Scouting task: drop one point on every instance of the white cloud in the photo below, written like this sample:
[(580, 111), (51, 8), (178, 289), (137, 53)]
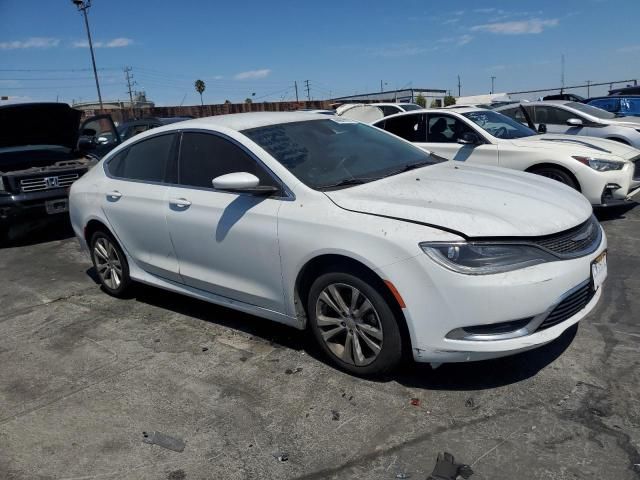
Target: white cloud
[(534, 25), (252, 74), (629, 49), (217, 77), (33, 42), (459, 40), (399, 50), (484, 10), (115, 43)]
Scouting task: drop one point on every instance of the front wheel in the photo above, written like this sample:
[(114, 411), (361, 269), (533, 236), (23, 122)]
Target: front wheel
[(558, 175), (110, 264), (354, 324)]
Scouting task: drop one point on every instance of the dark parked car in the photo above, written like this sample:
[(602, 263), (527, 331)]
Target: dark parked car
[(630, 90), (41, 155), (571, 97), (621, 106), (131, 128)]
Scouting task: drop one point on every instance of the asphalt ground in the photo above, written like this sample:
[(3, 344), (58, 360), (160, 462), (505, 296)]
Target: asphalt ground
[(83, 375)]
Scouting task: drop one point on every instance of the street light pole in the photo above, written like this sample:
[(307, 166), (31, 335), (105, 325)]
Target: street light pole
[(83, 6)]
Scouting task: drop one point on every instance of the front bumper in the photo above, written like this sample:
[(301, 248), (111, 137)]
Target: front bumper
[(607, 189), (28, 205), (440, 301)]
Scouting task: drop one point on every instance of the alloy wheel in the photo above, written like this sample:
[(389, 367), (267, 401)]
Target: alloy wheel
[(108, 263), (349, 324)]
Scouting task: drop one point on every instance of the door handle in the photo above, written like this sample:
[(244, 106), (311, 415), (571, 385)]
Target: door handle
[(114, 195), (180, 202)]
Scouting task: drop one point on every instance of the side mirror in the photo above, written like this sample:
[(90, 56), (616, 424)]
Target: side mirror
[(242, 182), (542, 128), (574, 122), (86, 144), (469, 138)]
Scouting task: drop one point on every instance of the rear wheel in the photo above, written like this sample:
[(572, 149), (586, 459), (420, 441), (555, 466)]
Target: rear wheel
[(110, 264), (558, 175), (354, 324)]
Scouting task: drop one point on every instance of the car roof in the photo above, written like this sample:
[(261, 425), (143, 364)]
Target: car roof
[(244, 121), (434, 110)]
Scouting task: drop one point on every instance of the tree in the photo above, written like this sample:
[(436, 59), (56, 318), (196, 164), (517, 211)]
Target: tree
[(420, 100), (449, 100), (200, 87), (248, 100), (435, 104), (227, 102)]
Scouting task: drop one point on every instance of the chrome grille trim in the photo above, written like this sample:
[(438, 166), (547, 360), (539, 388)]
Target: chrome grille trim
[(575, 242), (36, 184)]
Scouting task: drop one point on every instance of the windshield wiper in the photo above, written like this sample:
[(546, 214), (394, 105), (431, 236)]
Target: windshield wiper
[(410, 166), (347, 182)]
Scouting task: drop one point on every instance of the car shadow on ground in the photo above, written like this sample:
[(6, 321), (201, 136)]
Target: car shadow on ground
[(605, 214), (456, 376), (33, 232)]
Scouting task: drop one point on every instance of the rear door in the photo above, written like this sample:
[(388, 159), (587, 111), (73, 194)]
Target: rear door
[(135, 203), (98, 136)]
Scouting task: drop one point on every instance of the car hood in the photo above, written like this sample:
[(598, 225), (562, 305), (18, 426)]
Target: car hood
[(578, 145), (471, 200), (39, 124)]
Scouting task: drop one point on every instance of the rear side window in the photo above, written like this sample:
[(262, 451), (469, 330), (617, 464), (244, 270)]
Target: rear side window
[(409, 127), (145, 161), (204, 156)]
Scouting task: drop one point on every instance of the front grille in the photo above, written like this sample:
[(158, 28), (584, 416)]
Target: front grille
[(580, 240), (569, 306), (47, 183)]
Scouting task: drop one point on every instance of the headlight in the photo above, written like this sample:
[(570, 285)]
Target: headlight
[(600, 164), (484, 258)]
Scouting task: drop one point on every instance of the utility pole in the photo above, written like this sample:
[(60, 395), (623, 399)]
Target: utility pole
[(308, 91), (83, 6), (381, 89), (562, 73), (129, 77), (492, 80), (588, 87), (295, 84), (459, 86)]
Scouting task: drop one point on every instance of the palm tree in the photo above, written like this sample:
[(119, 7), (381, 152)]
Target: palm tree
[(200, 87)]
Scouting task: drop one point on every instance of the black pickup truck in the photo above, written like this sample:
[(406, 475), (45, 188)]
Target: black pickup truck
[(42, 152)]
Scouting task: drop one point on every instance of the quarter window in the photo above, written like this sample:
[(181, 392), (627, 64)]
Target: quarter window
[(204, 156), (146, 160)]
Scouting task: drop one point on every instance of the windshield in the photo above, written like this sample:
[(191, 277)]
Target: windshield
[(589, 110), (326, 153), (499, 125), (407, 107)]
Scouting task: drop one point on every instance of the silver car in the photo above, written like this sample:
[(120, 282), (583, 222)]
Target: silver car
[(573, 118)]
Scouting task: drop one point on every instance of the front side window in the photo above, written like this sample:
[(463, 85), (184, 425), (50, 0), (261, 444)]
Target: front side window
[(337, 153), (552, 115), (445, 129), (145, 161), (498, 125), (409, 127), (204, 156)]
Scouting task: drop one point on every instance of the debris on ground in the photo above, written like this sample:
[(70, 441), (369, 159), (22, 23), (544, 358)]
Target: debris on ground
[(335, 415), (164, 441), (205, 349), (415, 402), (290, 371), (402, 475), (281, 456), (470, 402), (447, 469)]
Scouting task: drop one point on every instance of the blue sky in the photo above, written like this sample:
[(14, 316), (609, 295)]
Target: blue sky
[(342, 47)]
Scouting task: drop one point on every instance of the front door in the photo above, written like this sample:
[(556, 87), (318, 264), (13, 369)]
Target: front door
[(443, 132), (555, 118), (135, 203), (226, 243)]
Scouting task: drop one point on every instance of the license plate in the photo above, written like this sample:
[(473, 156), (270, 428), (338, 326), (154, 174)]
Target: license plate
[(599, 270), (56, 206)]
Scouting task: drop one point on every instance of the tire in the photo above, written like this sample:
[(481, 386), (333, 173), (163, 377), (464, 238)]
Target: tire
[(377, 347), (558, 175), (110, 264)]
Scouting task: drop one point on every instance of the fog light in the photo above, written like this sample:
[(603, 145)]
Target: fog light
[(607, 193)]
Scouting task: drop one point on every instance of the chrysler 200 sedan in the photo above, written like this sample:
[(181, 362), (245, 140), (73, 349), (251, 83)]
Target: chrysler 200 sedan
[(375, 246)]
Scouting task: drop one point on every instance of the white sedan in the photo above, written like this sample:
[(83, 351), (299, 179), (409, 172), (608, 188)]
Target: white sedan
[(372, 244), (606, 172)]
